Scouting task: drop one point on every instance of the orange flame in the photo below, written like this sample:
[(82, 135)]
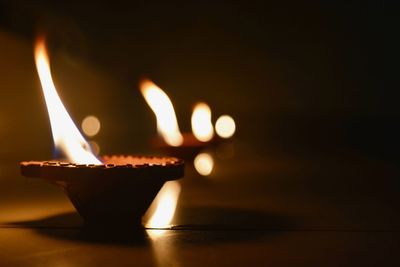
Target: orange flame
[(201, 122), (66, 136), (159, 102)]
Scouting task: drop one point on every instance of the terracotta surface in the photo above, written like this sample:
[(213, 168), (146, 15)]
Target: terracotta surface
[(116, 192)]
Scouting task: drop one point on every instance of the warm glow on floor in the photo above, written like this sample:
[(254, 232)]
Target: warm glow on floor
[(166, 202)]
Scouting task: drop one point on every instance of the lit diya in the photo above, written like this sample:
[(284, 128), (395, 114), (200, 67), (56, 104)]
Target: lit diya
[(120, 190), (113, 189), (171, 141)]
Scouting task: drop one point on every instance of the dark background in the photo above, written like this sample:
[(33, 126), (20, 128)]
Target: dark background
[(312, 87), (306, 80)]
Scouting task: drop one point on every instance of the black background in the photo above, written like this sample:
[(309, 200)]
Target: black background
[(300, 79)]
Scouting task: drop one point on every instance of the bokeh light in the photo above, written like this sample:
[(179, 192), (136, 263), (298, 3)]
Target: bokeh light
[(91, 125), (225, 126)]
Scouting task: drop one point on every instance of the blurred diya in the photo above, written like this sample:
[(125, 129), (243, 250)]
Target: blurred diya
[(118, 191), (171, 141), (112, 189)]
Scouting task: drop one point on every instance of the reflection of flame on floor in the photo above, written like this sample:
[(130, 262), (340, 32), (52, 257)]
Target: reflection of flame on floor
[(165, 205), (204, 163)]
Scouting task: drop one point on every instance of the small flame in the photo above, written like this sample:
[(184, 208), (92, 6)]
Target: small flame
[(66, 136), (204, 164), (225, 126), (159, 102), (201, 122), (166, 202)]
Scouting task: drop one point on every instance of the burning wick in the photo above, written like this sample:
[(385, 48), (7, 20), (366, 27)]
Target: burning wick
[(66, 136), (159, 102), (201, 122)]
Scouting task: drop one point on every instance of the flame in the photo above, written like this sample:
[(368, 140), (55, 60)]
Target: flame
[(225, 126), (159, 102), (201, 122), (66, 136), (166, 202), (204, 164)]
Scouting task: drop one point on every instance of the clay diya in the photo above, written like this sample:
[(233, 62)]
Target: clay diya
[(118, 191)]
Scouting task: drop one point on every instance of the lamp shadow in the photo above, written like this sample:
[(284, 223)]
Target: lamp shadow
[(200, 225), (70, 226), (229, 224)]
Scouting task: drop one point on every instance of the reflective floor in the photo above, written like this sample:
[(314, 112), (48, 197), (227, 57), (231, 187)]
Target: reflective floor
[(264, 212)]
